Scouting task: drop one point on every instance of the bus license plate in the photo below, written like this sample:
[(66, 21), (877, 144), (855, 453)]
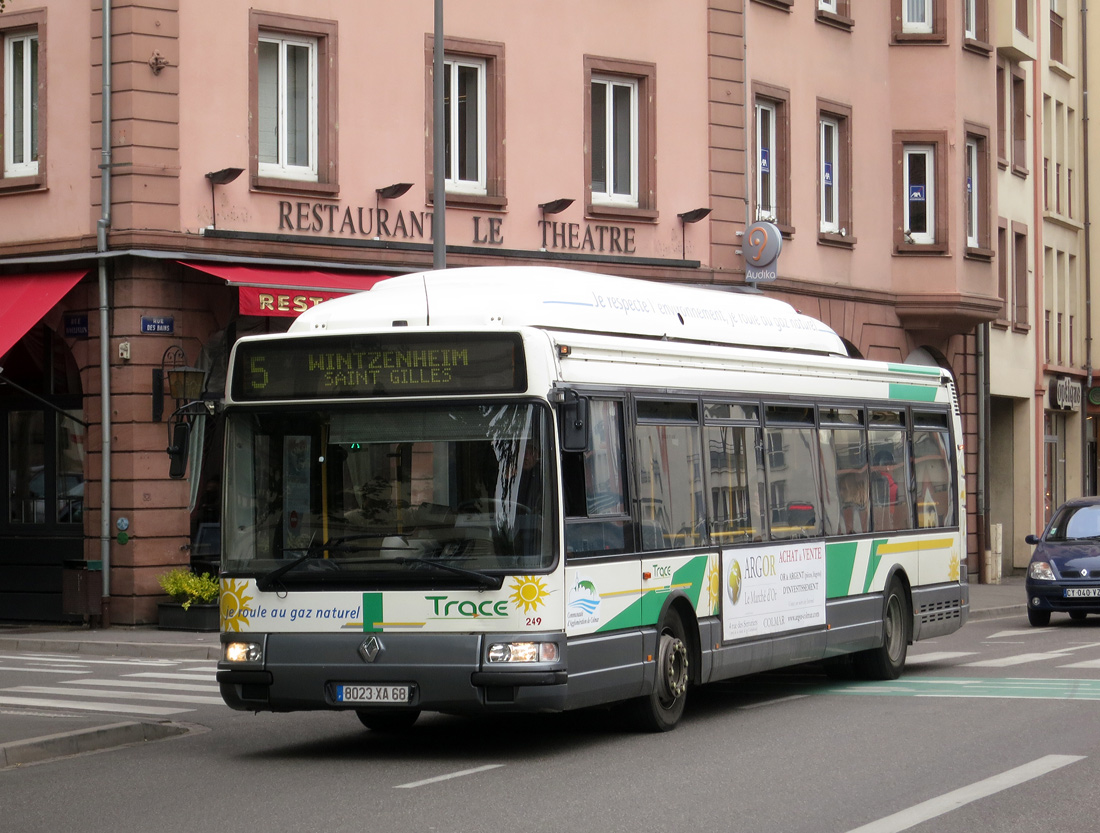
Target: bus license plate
[(1082, 592), (383, 695)]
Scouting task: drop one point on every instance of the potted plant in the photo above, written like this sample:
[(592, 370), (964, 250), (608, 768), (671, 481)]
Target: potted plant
[(194, 605)]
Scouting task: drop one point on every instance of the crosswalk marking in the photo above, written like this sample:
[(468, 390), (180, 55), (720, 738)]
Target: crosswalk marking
[(937, 656), (123, 695), (64, 659), (187, 675), (47, 670), (144, 684), (975, 687), (70, 705)]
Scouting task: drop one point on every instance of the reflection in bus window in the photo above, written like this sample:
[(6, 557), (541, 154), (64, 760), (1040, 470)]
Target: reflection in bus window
[(736, 483), (890, 497), (846, 500), (593, 484), (932, 476), (792, 483), (672, 511)]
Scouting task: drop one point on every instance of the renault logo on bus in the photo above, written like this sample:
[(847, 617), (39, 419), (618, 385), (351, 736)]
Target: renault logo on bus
[(370, 649)]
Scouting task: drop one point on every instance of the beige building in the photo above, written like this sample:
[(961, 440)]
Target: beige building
[(260, 158)]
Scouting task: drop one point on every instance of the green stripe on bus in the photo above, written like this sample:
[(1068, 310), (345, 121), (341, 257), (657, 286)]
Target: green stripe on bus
[(914, 369), (372, 612), (918, 393), (629, 618), (872, 563), (840, 561)]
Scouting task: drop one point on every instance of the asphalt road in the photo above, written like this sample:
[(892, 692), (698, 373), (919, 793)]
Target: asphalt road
[(993, 728)]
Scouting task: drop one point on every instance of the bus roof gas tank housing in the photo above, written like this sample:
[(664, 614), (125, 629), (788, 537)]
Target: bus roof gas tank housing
[(554, 298)]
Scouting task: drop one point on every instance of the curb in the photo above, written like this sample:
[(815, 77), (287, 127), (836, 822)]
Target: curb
[(996, 612), (156, 650), (47, 747)]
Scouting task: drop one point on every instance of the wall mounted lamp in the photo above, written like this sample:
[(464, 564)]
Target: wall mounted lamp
[(222, 177), (390, 192), (693, 216), (555, 206)]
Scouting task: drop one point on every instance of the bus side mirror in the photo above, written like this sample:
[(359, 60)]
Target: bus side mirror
[(178, 450), (574, 423)]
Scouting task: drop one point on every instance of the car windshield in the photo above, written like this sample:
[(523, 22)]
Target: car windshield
[(1074, 523), (390, 493)]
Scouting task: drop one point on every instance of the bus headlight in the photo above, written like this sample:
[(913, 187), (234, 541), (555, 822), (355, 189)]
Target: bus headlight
[(252, 652), (523, 652)]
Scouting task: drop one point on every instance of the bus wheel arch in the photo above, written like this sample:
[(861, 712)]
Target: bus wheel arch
[(676, 657), (887, 661)]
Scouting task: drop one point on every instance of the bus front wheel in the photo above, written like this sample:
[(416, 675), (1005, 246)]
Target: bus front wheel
[(661, 709), (387, 720), (886, 663)]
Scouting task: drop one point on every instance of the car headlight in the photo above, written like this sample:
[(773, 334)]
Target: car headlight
[(1040, 571), (523, 652), (251, 652)]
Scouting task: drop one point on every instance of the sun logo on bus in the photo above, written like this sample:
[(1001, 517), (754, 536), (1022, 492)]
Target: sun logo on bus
[(528, 593), (714, 587), (953, 567), (234, 605)]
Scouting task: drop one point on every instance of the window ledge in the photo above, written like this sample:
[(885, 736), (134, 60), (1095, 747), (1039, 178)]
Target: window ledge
[(293, 186), (839, 241), (978, 47), (621, 212), (837, 21), (1020, 171), (919, 39), (785, 229), (782, 5), (1063, 220), (1023, 329), (22, 184), (1000, 323), (1059, 68), (979, 253), (918, 249), (490, 202), (1002, 163)]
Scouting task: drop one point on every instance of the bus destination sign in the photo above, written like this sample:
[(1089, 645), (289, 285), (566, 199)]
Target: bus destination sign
[(417, 364)]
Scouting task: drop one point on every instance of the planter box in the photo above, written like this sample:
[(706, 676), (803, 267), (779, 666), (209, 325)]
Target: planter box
[(198, 617)]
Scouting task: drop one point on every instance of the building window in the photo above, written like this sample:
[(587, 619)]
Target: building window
[(287, 111), (1018, 96), (464, 124), (22, 94), (615, 141), (620, 132), (1004, 257), (1019, 277), (1057, 32), (976, 26), (473, 108), (836, 13), (920, 189), (834, 173), (772, 156), (918, 21), (293, 96), (1003, 92), (1022, 9), (976, 182)]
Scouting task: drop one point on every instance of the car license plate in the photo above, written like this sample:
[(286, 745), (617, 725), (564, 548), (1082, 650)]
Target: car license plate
[(384, 694), (1082, 592)]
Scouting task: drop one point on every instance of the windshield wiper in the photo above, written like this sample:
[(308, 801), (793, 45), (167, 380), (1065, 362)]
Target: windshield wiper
[(483, 579), (267, 582)]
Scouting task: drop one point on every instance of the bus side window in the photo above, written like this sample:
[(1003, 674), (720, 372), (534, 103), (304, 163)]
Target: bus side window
[(593, 487)]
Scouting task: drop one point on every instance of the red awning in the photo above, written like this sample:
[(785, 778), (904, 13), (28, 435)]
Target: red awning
[(24, 299), (286, 292)]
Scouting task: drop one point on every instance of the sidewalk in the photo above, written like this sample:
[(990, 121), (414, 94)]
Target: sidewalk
[(31, 736)]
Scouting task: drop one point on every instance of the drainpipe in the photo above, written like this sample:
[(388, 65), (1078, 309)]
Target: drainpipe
[(1090, 478), (439, 190), (104, 318), (1040, 301)]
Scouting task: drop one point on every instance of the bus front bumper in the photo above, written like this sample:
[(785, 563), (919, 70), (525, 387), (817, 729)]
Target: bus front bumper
[(444, 672)]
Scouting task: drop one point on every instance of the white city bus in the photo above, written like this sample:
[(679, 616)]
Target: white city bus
[(535, 489)]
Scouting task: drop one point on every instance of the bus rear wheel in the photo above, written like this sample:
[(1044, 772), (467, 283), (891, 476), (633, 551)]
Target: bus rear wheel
[(387, 720), (661, 709), (886, 662)]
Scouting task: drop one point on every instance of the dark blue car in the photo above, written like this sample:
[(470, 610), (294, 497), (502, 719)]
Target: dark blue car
[(1064, 573)]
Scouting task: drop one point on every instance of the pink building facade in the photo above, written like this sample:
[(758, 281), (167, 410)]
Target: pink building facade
[(258, 161)]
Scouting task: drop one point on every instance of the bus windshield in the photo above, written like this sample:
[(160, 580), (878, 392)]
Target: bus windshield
[(386, 493)]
